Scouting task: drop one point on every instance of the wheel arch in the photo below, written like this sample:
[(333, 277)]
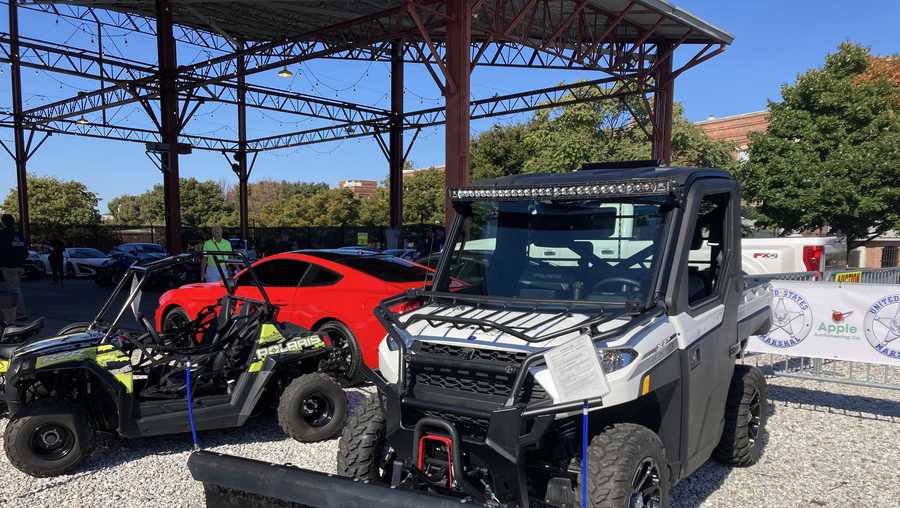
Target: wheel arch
[(103, 403)]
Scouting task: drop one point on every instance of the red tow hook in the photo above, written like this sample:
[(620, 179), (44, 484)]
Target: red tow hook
[(440, 440)]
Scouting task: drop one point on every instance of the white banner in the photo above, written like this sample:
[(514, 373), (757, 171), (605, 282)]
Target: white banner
[(853, 322)]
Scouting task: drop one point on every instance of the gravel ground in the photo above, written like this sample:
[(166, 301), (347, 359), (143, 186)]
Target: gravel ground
[(827, 445)]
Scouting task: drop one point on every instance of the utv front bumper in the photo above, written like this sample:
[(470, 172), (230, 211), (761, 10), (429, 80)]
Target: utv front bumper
[(235, 481)]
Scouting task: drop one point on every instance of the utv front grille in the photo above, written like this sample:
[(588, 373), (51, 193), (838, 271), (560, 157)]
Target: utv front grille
[(486, 373)]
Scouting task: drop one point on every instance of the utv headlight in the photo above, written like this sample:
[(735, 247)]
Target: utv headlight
[(616, 359)]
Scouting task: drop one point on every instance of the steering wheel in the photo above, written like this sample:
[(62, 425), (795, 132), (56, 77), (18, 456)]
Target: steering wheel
[(625, 281)]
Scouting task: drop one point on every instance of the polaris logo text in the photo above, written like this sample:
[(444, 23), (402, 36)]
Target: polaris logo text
[(290, 346)]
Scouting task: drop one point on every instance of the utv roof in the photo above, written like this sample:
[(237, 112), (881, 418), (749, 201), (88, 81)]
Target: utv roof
[(603, 173)]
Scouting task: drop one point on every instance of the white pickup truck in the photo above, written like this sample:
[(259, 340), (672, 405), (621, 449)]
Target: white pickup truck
[(792, 254)]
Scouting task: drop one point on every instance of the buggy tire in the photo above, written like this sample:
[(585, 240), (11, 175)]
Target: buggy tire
[(355, 373), (48, 437), (360, 451), (746, 412), (312, 408), (623, 459)]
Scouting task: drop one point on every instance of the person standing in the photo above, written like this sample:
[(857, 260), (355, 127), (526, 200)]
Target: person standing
[(208, 267), (13, 252), (57, 248)]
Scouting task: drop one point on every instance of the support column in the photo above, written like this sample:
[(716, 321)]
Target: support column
[(663, 101), (459, 36), (168, 104), (21, 154), (395, 178), (241, 155)]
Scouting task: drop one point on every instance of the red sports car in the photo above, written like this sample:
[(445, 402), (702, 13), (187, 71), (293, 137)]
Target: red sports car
[(330, 291)]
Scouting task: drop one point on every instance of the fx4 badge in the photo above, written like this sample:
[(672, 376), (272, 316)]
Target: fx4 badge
[(293, 345)]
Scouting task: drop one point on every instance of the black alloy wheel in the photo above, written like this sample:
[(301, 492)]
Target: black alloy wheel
[(646, 491)]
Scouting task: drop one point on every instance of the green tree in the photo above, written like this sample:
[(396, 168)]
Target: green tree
[(54, 201), (265, 199), (423, 200), (202, 204), (326, 207), (831, 155)]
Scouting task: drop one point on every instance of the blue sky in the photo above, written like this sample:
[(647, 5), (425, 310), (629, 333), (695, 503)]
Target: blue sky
[(775, 41)]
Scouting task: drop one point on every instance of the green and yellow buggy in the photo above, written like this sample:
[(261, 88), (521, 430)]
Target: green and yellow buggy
[(233, 361)]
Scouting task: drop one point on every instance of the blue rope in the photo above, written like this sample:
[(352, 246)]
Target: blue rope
[(584, 455), (190, 408)]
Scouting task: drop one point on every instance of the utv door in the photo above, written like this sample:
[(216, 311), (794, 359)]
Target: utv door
[(704, 298)]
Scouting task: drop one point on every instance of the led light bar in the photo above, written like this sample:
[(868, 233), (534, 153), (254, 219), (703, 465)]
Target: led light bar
[(636, 187)]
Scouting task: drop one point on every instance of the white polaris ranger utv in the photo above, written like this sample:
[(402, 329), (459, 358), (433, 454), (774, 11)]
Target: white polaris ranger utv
[(616, 288)]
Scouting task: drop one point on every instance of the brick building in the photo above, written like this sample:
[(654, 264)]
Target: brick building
[(735, 130), (360, 188)]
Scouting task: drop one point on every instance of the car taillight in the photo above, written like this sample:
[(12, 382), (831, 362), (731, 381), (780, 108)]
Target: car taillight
[(406, 306), (812, 257)]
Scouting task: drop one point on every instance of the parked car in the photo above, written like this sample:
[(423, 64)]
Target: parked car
[(242, 246), (409, 254), (77, 261), (143, 251), (34, 266), (792, 254), (332, 292)]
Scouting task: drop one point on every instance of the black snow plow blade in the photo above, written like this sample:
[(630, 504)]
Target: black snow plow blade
[(230, 481)]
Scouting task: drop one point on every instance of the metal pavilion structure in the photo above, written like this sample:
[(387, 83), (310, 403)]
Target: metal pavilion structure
[(630, 44)]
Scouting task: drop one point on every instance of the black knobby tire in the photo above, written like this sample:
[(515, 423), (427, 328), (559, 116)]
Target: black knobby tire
[(48, 438), (746, 412), (362, 449), (624, 458), (312, 408), (346, 346)]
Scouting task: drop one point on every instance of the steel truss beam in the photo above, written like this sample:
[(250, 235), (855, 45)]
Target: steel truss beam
[(120, 133), (499, 105), (553, 97), (357, 38), (130, 22), (86, 64)]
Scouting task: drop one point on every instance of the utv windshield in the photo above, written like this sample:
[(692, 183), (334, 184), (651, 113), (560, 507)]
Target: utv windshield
[(587, 250)]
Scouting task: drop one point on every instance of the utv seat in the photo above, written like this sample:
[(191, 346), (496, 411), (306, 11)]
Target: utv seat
[(14, 331)]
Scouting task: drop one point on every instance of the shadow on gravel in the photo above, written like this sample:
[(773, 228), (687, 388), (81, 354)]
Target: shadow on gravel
[(704, 482), (857, 406)]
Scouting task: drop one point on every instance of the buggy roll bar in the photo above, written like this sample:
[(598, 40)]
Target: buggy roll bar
[(143, 270)]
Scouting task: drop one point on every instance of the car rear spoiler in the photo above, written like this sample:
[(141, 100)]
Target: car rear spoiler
[(230, 481)]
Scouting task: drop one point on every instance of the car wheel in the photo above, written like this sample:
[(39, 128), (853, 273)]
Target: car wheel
[(312, 408), (626, 467), (70, 270), (346, 355), (174, 319), (48, 438), (746, 412), (363, 452)]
